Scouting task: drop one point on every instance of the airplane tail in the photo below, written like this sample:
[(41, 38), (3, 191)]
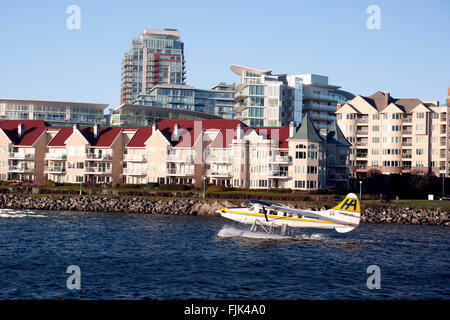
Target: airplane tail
[(351, 207)]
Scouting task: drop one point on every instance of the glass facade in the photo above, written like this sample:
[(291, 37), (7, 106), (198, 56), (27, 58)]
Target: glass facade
[(156, 57), (54, 112)]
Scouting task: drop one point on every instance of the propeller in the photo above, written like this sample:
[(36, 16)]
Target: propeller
[(265, 213)]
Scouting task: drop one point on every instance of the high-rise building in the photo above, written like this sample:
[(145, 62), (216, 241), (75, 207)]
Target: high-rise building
[(155, 57), (263, 99), (320, 99)]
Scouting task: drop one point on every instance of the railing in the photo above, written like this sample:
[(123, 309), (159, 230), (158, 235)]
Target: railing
[(98, 170), (407, 120), (361, 143), (135, 171), (220, 159), (213, 173), (365, 132), (362, 120), (407, 155), (51, 156), (407, 144), (20, 169), (407, 131), (50, 169), (135, 157), (179, 172), (278, 174), (180, 158), (19, 155), (94, 156), (280, 159)]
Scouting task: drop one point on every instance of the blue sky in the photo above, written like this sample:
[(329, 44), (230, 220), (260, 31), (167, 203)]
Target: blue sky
[(409, 55)]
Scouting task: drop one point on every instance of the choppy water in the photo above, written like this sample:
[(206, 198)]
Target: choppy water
[(172, 257)]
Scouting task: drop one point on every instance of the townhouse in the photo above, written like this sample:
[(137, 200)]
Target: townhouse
[(221, 152)]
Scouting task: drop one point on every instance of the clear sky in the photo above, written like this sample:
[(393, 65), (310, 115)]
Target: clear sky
[(409, 56)]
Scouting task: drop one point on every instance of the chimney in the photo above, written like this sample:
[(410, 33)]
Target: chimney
[(153, 128), (20, 130), (96, 130), (239, 132), (386, 98), (176, 132), (75, 126), (338, 106), (291, 129)]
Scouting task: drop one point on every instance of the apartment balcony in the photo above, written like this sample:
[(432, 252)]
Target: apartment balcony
[(407, 131), (52, 156), (407, 120), (20, 169), (362, 120), (135, 171), (406, 144), (135, 157), (98, 157), (218, 174), (98, 170), (54, 170), (220, 159), (180, 158), (337, 177), (362, 132), (319, 107), (361, 155), (361, 143), (21, 156), (280, 159), (277, 174), (240, 97), (407, 155), (325, 97), (179, 172)]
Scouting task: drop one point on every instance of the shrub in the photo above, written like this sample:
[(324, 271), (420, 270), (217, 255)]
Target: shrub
[(49, 183), (174, 187), (151, 185)]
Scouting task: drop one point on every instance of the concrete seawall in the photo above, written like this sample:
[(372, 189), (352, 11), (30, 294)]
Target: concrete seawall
[(381, 214)]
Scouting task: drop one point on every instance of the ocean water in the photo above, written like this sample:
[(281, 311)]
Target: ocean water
[(187, 257)]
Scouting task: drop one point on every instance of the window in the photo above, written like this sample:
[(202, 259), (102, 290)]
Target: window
[(299, 184), (300, 155), (419, 152), (376, 116), (375, 128), (312, 170), (351, 116), (420, 115)]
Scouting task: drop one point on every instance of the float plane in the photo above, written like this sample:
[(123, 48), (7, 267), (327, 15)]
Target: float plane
[(343, 218)]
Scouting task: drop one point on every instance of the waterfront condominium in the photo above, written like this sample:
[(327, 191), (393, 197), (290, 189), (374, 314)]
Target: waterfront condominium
[(321, 98), (391, 135), (218, 151), (56, 113), (176, 101), (155, 57), (263, 99)]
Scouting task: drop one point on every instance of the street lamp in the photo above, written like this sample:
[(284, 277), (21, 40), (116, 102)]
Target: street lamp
[(204, 187), (360, 190)]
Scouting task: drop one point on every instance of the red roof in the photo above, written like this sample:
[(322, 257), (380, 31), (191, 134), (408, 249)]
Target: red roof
[(191, 129), (105, 139), (279, 134), (139, 138), (33, 129), (59, 140)]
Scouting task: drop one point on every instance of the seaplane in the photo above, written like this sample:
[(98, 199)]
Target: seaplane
[(270, 216)]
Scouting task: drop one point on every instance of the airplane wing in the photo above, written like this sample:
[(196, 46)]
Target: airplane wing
[(304, 213)]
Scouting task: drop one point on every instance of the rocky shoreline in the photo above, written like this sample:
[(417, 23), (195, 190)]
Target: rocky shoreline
[(377, 214)]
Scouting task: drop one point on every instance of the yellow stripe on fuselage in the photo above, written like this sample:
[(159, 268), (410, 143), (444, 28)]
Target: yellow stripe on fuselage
[(277, 217)]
